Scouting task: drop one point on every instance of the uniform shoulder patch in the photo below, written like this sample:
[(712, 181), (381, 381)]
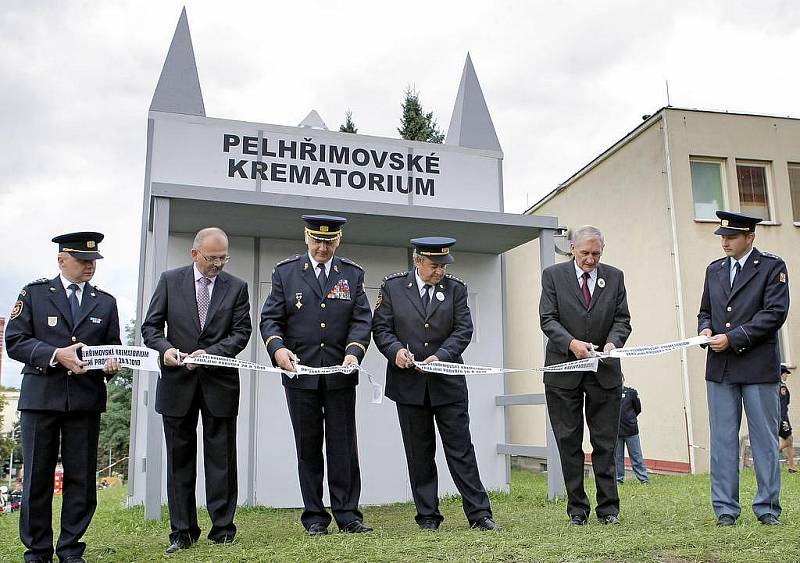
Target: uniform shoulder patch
[(16, 310), (356, 264), (101, 290), (773, 256), (395, 275), (38, 282), (454, 278), (288, 260)]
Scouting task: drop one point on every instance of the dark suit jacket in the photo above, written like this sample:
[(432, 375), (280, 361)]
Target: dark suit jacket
[(319, 327), (629, 410), (445, 331), (226, 332), (751, 315), (564, 316), (41, 322)]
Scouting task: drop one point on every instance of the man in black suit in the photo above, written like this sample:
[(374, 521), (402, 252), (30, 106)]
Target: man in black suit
[(584, 306), (318, 314), (425, 312), (60, 401), (206, 311)]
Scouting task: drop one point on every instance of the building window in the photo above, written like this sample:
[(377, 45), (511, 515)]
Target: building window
[(707, 187), (753, 192), (794, 188)]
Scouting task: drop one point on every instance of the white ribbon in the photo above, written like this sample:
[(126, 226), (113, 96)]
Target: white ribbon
[(135, 357), (654, 350), (447, 368), (221, 361)]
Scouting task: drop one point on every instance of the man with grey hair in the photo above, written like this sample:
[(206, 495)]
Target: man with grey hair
[(584, 307), (205, 311)]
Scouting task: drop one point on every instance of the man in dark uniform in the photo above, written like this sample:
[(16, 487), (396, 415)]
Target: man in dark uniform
[(745, 302), (317, 314), (425, 312), (60, 401), (205, 311)]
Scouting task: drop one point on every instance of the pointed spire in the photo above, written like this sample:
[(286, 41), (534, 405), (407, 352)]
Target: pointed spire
[(313, 120), (178, 89), (471, 125)]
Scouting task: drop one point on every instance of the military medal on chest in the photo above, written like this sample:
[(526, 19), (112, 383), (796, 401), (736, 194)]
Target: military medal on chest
[(299, 297)]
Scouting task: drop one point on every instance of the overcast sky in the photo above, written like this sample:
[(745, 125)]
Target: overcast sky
[(562, 82)]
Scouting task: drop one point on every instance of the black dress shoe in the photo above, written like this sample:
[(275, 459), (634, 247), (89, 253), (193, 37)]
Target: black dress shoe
[(609, 519), (485, 523), (769, 519), (180, 542), (356, 527), (578, 520), (726, 520), (429, 524), (317, 530), (226, 539)]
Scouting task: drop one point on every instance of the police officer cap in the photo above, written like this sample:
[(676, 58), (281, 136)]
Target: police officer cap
[(82, 246), (324, 227), (435, 248), (736, 223)]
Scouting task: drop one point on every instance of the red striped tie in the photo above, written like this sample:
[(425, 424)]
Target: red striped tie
[(587, 296)]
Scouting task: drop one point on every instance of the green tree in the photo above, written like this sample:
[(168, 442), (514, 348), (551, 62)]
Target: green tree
[(349, 126), (415, 124), (115, 424)]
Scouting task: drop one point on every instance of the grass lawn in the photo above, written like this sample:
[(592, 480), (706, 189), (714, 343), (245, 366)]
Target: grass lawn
[(669, 520)]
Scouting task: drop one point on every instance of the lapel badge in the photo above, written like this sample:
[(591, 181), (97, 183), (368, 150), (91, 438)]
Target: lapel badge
[(601, 282), (52, 289), (440, 296), (336, 268), (299, 297), (409, 284), (92, 294), (52, 321), (305, 266), (755, 262)]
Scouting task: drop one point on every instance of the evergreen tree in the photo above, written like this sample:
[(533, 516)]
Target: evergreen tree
[(415, 124), (349, 126)]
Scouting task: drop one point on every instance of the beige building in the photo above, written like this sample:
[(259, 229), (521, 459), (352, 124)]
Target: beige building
[(654, 194), (10, 414)]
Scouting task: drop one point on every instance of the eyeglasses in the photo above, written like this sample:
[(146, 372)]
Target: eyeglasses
[(216, 260)]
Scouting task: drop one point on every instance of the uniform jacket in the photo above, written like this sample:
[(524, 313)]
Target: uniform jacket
[(629, 410), (320, 327), (750, 315), (226, 333), (445, 331), (563, 316), (41, 322)]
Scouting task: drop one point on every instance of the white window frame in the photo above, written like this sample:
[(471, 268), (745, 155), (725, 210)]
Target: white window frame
[(768, 175), (792, 164), (722, 163)]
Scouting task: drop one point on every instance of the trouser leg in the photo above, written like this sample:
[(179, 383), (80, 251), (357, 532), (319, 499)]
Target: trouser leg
[(305, 411), (725, 418), (637, 458), (453, 423), (341, 449), (419, 441), (219, 462), (79, 435), (762, 406), (619, 459), (602, 418), (41, 431), (565, 408), (180, 434)]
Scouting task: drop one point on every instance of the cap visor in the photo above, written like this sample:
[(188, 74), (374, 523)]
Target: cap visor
[(446, 259), (726, 231), (86, 255)]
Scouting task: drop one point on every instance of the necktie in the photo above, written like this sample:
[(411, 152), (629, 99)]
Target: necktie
[(74, 306), (426, 297), (587, 296), (203, 300), (736, 269), (321, 278)]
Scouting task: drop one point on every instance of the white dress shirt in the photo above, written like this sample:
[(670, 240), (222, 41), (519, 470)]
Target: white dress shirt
[(66, 283), (421, 286), (741, 262), (197, 277), (592, 278), (327, 266)]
